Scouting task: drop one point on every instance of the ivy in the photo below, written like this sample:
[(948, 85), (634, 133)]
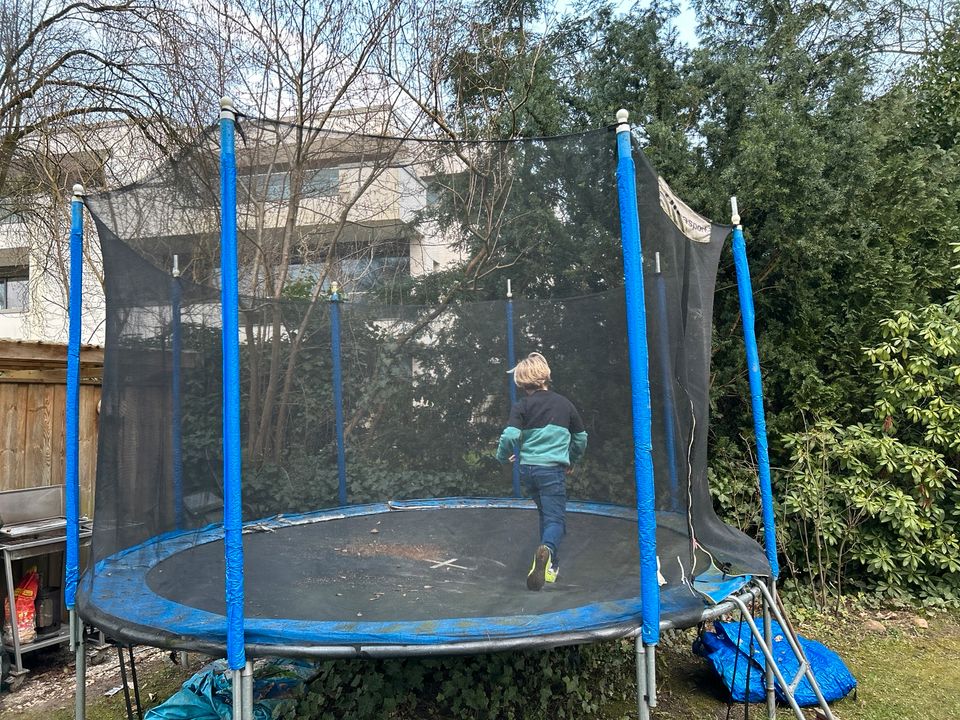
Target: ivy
[(561, 683)]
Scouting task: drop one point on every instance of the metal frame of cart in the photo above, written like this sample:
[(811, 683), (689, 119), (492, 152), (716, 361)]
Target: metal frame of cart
[(31, 529)]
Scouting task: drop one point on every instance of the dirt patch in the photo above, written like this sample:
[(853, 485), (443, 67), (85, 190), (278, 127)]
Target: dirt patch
[(50, 684), (422, 553)]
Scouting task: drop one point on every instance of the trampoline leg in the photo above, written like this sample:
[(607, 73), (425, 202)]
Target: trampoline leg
[(126, 685), (768, 657), (780, 613), (651, 676), (768, 669), (80, 655), (136, 683), (643, 709), (236, 687), (247, 674)]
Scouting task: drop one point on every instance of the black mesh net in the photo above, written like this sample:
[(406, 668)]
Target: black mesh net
[(419, 236)]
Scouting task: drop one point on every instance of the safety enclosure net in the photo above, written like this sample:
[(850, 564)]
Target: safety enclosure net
[(412, 533)]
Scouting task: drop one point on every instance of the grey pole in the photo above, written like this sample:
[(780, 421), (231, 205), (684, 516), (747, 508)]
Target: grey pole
[(768, 668), (643, 709), (247, 698), (236, 691), (651, 676), (781, 614), (768, 656), (80, 655)]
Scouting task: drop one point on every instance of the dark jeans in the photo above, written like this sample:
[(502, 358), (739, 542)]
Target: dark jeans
[(547, 488)]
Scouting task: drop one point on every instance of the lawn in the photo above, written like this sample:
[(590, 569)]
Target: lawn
[(904, 672)]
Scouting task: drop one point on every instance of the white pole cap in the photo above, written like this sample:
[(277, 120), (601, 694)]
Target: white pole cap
[(176, 266), (227, 111), (78, 190), (623, 124), (509, 290), (734, 211)]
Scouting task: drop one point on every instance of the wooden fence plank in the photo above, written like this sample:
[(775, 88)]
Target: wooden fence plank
[(58, 432), (89, 426), (13, 401), (32, 424), (36, 445)]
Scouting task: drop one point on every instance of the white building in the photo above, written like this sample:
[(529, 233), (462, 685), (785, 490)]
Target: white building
[(372, 203)]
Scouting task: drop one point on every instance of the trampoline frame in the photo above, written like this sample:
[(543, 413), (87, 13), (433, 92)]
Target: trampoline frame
[(651, 623), (623, 631), (598, 620)]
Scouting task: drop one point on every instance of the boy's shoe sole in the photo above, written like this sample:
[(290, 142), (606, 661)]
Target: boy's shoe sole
[(538, 573)]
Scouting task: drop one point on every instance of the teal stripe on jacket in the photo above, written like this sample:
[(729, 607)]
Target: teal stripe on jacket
[(547, 429)]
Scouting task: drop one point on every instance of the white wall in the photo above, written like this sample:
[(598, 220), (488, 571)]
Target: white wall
[(46, 317), (396, 195)]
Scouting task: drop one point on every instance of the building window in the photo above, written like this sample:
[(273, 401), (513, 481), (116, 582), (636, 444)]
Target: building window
[(356, 275), (14, 288), (324, 182)]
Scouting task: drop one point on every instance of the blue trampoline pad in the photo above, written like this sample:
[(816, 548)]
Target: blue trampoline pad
[(410, 574)]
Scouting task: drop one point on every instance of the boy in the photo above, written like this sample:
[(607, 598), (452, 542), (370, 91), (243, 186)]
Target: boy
[(546, 436)]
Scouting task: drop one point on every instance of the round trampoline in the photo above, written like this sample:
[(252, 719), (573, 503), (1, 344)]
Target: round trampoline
[(385, 579), (297, 454)]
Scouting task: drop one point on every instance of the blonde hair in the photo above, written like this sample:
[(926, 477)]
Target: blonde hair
[(532, 372)]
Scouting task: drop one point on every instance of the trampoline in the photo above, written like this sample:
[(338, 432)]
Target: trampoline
[(299, 416), (386, 579)]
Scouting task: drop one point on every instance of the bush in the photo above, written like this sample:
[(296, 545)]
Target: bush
[(877, 504), (570, 682)]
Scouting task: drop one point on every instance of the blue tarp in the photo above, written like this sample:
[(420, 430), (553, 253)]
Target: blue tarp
[(729, 649), (208, 695)]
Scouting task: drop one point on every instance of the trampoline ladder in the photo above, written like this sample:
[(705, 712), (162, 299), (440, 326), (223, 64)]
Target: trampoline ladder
[(772, 607)]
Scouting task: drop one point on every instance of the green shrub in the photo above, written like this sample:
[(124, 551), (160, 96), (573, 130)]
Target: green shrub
[(561, 683), (877, 504)]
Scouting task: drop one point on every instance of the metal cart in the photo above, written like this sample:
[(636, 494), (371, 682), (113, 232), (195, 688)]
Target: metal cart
[(33, 524)]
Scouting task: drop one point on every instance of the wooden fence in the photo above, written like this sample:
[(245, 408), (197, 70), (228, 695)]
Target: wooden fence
[(33, 395)]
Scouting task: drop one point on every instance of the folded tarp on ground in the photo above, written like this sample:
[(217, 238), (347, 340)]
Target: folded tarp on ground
[(208, 694), (740, 664)]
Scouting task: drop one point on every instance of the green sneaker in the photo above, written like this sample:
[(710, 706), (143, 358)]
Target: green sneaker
[(538, 571), (550, 575)]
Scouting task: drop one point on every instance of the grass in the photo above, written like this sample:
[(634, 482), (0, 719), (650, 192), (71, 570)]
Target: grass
[(161, 683), (903, 673)]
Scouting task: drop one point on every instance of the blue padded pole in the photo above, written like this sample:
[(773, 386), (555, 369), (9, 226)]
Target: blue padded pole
[(229, 307), (666, 378), (639, 383), (335, 350), (512, 362), (72, 459), (745, 291), (176, 432)]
